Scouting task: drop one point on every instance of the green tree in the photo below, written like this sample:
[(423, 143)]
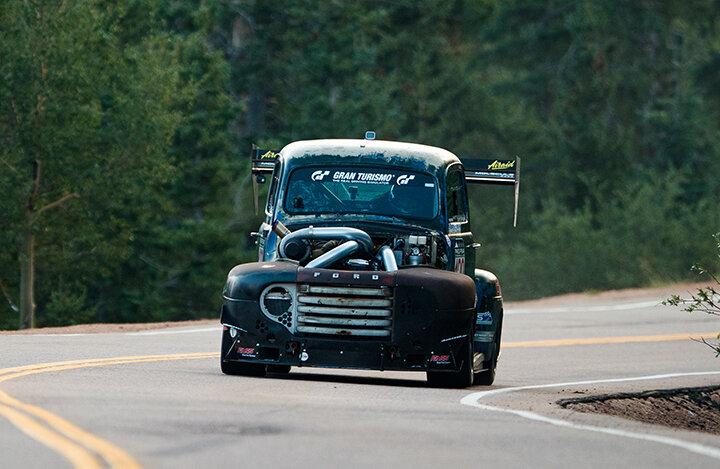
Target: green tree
[(84, 125), (616, 134), (179, 261)]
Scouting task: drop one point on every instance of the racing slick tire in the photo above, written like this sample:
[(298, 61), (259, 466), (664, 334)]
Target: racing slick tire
[(238, 368), (279, 369), (462, 378), (242, 369)]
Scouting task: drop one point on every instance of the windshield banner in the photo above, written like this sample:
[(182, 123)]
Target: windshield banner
[(361, 177), (362, 189)]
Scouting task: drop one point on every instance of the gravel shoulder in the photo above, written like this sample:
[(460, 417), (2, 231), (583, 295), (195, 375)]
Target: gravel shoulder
[(113, 328), (696, 409)]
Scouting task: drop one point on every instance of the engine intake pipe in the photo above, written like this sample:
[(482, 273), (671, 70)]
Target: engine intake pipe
[(388, 258), (327, 233), (334, 255)]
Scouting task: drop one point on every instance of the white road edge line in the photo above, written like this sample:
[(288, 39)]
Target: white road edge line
[(473, 399), (578, 309), (179, 331)]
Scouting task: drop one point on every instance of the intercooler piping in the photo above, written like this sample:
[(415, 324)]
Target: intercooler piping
[(354, 238), (334, 255), (388, 258), (327, 233)]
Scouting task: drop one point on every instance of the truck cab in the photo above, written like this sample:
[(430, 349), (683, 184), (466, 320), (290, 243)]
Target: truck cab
[(366, 259)]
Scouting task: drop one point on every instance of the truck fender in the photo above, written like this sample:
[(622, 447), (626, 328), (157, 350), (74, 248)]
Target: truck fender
[(489, 310)]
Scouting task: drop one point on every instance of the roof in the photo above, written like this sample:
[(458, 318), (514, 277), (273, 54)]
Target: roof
[(409, 155)]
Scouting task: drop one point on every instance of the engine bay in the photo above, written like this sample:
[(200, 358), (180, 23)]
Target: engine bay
[(354, 249)]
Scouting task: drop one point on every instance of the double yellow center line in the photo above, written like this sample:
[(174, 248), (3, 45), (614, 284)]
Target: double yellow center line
[(611, 340), (87, 451), (81, 448)]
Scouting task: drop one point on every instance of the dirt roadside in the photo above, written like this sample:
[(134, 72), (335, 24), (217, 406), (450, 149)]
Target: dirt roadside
[(696, 409), (113, 328)]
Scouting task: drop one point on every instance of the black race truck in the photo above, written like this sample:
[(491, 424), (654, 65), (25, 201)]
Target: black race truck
[(366, 260)]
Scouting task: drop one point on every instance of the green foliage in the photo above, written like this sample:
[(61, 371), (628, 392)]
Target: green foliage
[(643, 231), (616, 137), (141, 114), (100, 106), (705, 299)]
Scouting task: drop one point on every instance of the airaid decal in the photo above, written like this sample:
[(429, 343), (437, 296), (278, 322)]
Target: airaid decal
[(496, 165)]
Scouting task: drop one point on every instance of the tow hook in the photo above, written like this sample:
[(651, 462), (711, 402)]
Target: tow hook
[(292, 348)]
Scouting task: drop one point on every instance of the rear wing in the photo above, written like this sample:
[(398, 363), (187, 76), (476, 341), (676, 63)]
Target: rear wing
[(492, 171), (262, 163)]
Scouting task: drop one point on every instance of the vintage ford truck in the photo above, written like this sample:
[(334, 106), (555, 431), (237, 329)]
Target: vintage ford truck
[(366, 260)]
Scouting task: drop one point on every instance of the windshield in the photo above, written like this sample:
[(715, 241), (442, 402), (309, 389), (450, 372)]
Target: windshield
[(362, 190)]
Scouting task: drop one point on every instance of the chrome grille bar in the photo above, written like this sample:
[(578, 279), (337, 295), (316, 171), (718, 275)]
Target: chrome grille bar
[(328, 310), (346, 311)]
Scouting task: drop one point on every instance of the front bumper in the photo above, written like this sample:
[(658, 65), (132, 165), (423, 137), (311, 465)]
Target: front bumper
[(413, 354), (432, 314)]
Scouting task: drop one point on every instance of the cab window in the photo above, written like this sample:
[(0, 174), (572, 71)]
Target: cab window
[(457, 205), (272, 192)]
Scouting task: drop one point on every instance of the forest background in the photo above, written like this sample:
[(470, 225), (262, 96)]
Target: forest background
[(125, 130)]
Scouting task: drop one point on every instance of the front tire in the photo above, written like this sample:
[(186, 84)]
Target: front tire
[(462, 378), (279, 369), (237, 368), (242, 369)]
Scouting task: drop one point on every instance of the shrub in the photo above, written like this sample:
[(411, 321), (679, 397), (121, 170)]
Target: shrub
[(706, 299)]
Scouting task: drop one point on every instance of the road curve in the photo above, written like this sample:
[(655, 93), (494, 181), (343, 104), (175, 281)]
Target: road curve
[(158, 399)]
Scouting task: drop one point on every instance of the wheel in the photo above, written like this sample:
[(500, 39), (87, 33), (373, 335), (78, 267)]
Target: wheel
[(456, 379), (242, 369), (279, 369), (237, 368), (487, 377)]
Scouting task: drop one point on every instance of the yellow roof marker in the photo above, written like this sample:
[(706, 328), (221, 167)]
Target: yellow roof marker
[(609, 340)]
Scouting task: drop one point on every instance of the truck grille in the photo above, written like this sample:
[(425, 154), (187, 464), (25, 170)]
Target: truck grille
[(346, 311)]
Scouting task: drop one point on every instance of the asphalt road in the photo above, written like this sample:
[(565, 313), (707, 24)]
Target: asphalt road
[(157, 399)]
